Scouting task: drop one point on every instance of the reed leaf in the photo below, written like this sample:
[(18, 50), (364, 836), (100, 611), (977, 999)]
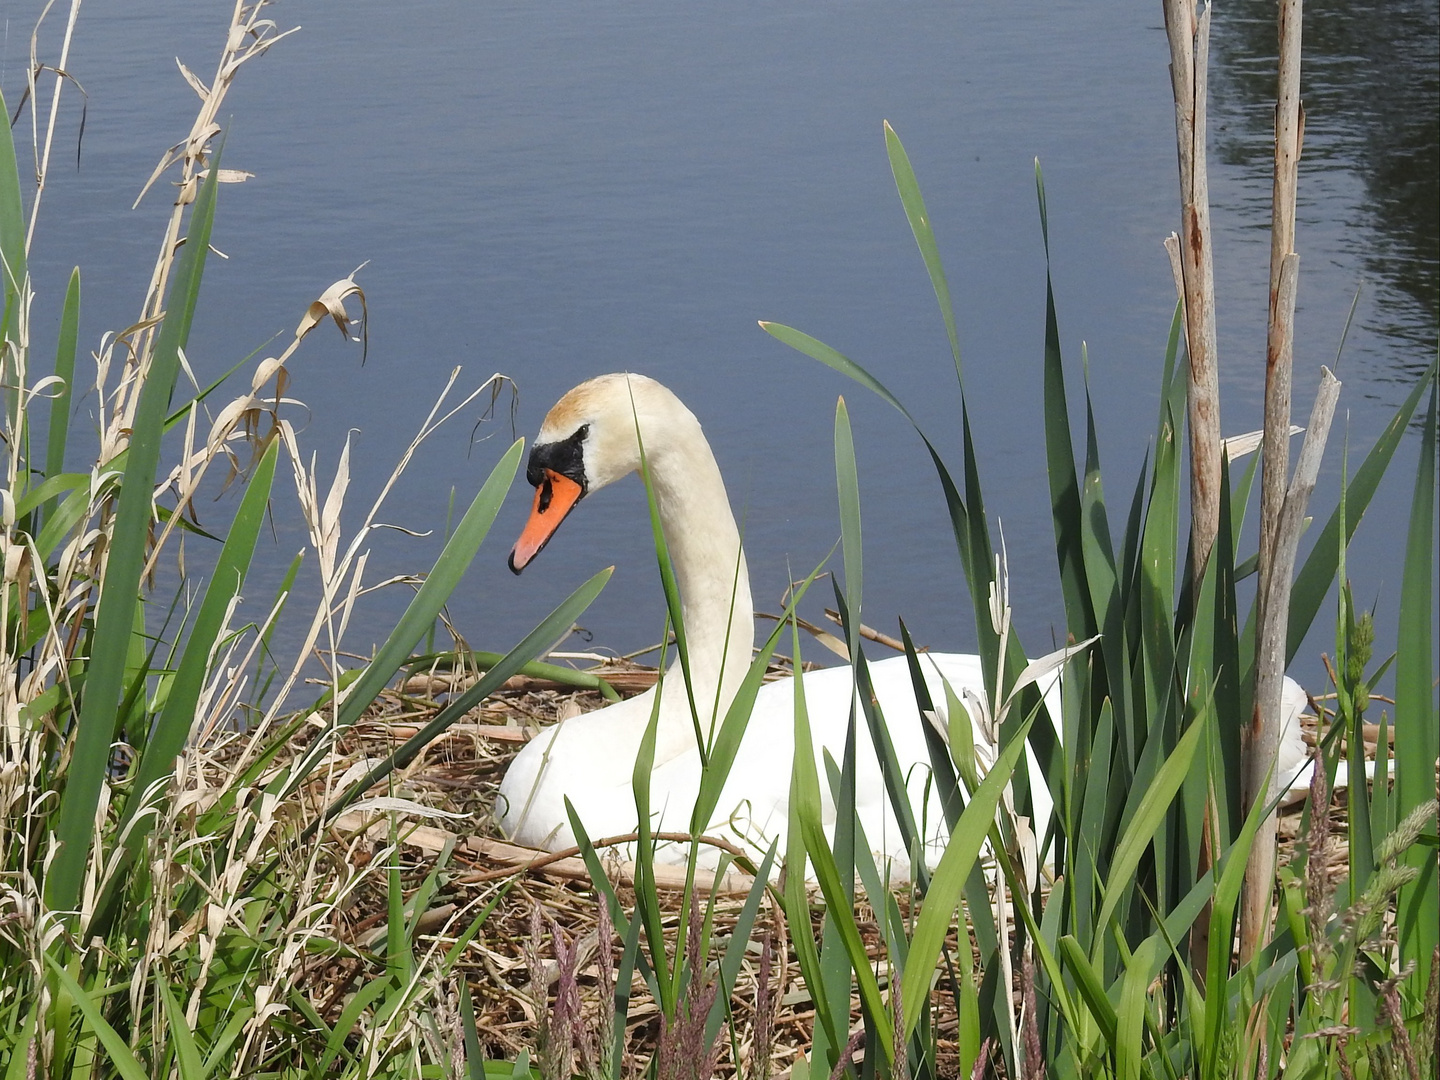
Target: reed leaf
[(172, 728), (12, 238), (59, 422), (948, 881), (115, 616), (118, 1053), (1147, 818), (187, 1053), (1417, 725), (838, 898), (919, 218), (1065, 504)]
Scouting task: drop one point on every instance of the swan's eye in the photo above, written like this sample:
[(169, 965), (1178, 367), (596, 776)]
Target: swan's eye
[(546, 492)]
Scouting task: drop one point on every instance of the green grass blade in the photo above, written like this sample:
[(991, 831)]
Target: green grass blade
[(839, 912), (1091, 990), (1101, 573), (737, 717), (172, 728), (797, 898), (59, 423), (454, 559), (1230, 880), (398, 960), (474, 1053), (647, 900), (344, 1028), (1134, 1005), (1148, 817), (1417, 721), (847, 484), (12, 235), (919, 218), (120, 1057), (168, 736), (115, 615), (1060, 460), (942, 769), (950, 875), (673, 603), (735, 950), (187, 1054)]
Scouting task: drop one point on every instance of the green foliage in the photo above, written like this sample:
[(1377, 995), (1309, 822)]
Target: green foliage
[(160, 895), (1151, 741)]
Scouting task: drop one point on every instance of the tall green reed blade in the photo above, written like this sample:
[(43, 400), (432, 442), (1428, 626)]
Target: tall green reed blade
[(919, 218), (1154, 800), (115, 616), (847, 485), (797, 898), (1065, 509), (173, 726), (167, 737), (1229, 878), (60, 403), (972, 532), (118, 1053), (673, 600), (737, 716), (1101, 572), (647, 899), (739, 939), (12, 241), (948, 881), (838, 361), (805, 788), (1417, 723), (972, 540)]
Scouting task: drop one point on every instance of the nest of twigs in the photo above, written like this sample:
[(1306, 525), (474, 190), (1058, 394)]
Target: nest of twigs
[(514, 976)]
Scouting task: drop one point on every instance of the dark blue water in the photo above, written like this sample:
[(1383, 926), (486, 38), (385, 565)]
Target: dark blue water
[(555, 191)]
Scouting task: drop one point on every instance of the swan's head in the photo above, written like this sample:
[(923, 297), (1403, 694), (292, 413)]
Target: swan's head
[(589, 440)]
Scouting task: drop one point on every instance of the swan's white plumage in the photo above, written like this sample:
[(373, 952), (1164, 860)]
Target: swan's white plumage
[(590, 758)]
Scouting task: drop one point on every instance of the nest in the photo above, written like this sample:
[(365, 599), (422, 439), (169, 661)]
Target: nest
[(505, 964)]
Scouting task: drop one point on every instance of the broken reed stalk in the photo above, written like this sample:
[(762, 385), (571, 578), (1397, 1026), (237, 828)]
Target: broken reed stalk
[(1189, 58), (1260, 740), (1263, 741)]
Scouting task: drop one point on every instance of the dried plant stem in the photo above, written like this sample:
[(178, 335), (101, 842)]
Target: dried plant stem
[(42, 154), (544, 859), (1260, 740), (1189, 58)]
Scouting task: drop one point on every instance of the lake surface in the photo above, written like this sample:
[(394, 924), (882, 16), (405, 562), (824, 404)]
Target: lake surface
[(555, 191)]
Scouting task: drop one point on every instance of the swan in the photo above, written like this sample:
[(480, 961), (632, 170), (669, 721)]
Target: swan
[(589, 440)]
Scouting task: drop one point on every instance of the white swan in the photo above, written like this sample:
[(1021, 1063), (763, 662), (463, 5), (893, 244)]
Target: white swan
[(588, 440)]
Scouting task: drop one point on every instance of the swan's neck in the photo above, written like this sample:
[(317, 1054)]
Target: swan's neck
[(714, 583)]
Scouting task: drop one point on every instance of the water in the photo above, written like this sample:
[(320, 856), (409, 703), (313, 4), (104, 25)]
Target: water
[(557, 191)]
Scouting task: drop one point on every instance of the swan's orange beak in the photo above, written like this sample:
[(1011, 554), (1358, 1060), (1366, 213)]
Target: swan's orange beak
[(555, 497)]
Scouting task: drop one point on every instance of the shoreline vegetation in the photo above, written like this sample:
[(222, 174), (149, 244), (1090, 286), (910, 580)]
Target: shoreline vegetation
[(204, 872)]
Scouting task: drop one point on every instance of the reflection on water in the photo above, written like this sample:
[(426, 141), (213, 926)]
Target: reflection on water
[(1371, 86)]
